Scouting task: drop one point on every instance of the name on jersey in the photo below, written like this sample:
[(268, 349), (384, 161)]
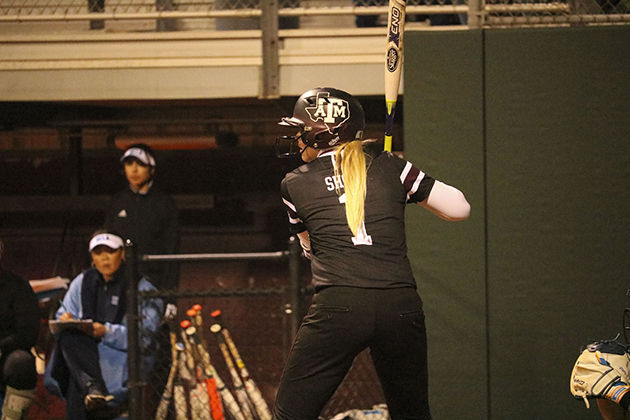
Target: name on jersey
[(333, 183)]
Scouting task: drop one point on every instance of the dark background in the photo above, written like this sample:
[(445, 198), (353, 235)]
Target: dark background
[(60, 164), (531, 124)]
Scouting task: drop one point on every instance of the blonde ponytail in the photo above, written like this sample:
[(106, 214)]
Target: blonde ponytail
[(350, 163)]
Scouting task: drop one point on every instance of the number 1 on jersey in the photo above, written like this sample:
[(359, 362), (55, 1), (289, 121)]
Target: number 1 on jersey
[(362, 237)]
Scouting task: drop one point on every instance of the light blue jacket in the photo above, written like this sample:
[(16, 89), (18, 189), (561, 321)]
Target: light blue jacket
[(113, 345)]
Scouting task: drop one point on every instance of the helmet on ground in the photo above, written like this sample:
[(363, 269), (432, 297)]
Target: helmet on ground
[(327, 117)]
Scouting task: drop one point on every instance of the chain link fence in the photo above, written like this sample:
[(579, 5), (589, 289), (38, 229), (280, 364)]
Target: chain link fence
[(260, 329), (225, 349), (244, 14), (258, 325), (569, 12)]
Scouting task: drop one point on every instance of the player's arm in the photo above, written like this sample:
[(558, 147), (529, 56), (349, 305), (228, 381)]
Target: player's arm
[(296, 226), (305, 242), (446, 202), (443, 200)]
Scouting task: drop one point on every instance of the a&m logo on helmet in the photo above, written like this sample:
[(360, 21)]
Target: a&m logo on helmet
[(332, 111)]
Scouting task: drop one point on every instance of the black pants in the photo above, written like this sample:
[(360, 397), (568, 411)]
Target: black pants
[(77, 370), (17, 370), (343, 321)]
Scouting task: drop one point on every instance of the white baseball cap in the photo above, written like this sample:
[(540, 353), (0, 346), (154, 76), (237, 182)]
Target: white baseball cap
[(108, 239), (140, 154)]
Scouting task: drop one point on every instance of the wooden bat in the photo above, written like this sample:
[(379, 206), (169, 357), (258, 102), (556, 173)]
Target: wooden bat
[(229, 402), (167, 395), (199, 402), (199, 322), (239, 388), (179, 389), (216, 408), (188, 350), (393, 64), (250, 386)]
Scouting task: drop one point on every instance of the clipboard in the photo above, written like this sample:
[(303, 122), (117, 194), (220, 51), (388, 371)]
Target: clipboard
[(83, 325)]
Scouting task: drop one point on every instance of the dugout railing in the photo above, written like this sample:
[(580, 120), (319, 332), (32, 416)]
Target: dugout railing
[(292, 293)]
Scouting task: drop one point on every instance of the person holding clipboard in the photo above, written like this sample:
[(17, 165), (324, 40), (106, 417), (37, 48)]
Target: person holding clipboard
[(88, 367)]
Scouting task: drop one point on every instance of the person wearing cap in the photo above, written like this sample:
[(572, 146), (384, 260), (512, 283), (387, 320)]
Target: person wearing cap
[(19, 327), (146, 216), (90, 369)]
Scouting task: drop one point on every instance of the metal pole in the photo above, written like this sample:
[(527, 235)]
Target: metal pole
[(475, 14), (295, 252), (239, 256), (270, 44), (133, 359)]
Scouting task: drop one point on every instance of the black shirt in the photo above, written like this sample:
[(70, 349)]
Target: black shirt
[(378, 257), (19, 313), (151, 221)]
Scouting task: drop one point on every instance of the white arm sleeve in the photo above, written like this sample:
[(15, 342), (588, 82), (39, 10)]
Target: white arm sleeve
[(446, 202)]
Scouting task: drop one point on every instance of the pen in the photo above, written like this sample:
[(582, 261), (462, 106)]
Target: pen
[(62, 307)]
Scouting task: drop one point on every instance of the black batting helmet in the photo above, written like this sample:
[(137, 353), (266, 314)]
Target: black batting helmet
[(327, 117)]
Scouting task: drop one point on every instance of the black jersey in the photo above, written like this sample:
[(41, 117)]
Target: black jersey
[(377, 257)]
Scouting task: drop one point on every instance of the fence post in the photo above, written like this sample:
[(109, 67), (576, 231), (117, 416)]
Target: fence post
[(270, 44), (133, 364), (295, 252), (475, 14)]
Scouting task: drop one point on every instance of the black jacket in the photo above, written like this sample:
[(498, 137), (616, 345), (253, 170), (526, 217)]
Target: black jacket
[(151, 221), (19, 313)]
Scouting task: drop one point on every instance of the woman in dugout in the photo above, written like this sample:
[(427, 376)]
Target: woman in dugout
[(88, 368), (346, 205), (147, 216)]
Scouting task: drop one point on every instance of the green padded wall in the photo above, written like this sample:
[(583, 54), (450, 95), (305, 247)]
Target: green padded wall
[(443, 130), (558, 165), (533, 126)]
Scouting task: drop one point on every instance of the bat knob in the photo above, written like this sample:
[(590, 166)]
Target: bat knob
[(216, 313), (185, 323)]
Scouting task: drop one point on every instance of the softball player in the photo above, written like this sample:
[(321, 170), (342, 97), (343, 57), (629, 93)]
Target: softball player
[(346, 205)]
